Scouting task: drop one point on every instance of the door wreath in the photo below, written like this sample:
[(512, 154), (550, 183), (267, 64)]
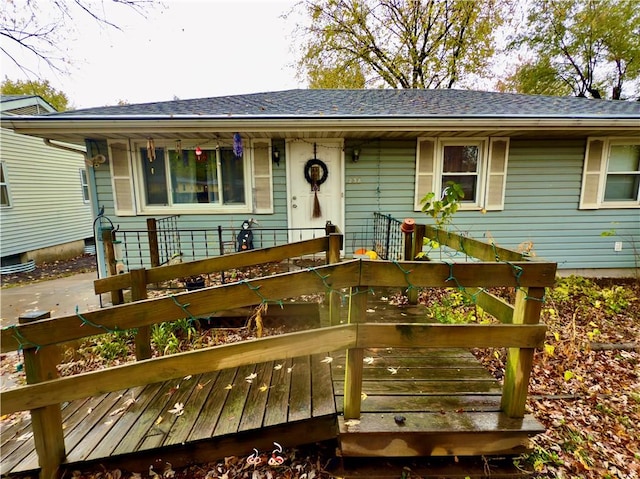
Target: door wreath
[(311, 170), (316, 173)]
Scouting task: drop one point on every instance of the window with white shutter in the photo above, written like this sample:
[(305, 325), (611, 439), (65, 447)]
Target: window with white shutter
[(121, 179), (611, 174), (478, 165), (496, 174), (262, 172)]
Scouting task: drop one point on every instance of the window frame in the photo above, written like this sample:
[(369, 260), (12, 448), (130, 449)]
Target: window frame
[(481, 145), (439, 144), (187, 208), (596, 172), (84, 185), (5, 185)]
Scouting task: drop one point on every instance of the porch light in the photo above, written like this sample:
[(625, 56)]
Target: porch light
[(355, 155), (275, 155)]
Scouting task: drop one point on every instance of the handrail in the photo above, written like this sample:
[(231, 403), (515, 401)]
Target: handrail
[(220, 263), (285, 346), (352, 273)]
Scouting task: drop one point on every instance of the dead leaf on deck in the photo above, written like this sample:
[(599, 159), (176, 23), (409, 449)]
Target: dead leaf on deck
[(327, 360), (201, 386), (178, 409)]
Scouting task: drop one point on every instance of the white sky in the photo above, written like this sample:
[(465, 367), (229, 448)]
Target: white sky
[(190, 49)]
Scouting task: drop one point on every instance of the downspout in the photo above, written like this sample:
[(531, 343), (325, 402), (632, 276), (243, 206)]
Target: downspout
[(94, 195)]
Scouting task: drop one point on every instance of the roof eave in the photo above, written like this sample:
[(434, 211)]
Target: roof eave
[(87, 126)]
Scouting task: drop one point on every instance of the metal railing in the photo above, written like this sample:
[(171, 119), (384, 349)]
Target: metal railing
[(164, 242), (388, 240)]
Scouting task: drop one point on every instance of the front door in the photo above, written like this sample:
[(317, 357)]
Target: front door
[(315, 186)]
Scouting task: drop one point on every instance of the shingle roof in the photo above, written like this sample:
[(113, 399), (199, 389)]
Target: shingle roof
[(371, 104)]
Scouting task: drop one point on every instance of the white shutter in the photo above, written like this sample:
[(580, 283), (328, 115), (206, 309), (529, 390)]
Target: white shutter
[(262, 184), (592, 174), (121, 179), (496, 174), (425, 170)]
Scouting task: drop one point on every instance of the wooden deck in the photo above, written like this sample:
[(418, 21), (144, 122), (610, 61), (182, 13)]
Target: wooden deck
[(223, 414), (416, 402)]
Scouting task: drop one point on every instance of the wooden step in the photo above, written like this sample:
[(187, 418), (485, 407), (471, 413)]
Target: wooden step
[(436, 434)]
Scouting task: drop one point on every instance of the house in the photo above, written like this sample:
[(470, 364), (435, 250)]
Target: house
[(45, 213), (546, 174)]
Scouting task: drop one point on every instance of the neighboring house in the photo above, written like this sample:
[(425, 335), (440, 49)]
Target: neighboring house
[(45, 209), (550, 174)]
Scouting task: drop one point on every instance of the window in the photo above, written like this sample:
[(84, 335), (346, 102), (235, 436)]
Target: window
[(5, 200), (85, 185), (611, 177), (191, 178), (478, 165)]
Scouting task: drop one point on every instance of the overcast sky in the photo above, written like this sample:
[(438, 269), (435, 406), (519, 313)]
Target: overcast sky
[(190, 49)]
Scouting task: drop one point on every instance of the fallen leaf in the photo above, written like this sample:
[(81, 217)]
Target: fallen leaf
[(186, 378), (368, 360), (327, 360), (159, 420), (290, 369), (263, 388), (392, 370), (200, 386), (363, 396), (278, 367), (251, 377), (178, 409)]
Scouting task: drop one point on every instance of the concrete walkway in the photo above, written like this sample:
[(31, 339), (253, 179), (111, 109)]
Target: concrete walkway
[(59, 296)]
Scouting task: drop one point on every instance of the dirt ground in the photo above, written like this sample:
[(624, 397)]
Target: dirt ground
[(46, 271)]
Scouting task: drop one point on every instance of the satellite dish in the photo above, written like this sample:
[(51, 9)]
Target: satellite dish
[(97, 160)]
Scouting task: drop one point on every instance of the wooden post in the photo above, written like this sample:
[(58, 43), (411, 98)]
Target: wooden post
[(520, 360), (46, 422), (110, 257), (138, 293), (355, 357), (333, 256), (152, 234), (408, 229)]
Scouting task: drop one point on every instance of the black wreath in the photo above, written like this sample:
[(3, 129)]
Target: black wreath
[(307, 171)]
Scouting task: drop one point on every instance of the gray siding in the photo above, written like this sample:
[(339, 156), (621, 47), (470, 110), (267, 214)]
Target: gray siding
[(541, 204), (47, 207)]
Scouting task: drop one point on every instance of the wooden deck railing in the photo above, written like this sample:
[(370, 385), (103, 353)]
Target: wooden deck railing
[(519, 329)]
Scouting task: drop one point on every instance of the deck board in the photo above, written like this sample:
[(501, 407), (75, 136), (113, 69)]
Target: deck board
[(293, 400)]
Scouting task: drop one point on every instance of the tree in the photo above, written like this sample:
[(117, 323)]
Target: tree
[(55, 98), (397, 43), (580, 47), (33, 29)]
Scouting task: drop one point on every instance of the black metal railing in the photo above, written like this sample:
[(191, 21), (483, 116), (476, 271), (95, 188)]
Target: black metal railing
[(175, 244), (388, 240)]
